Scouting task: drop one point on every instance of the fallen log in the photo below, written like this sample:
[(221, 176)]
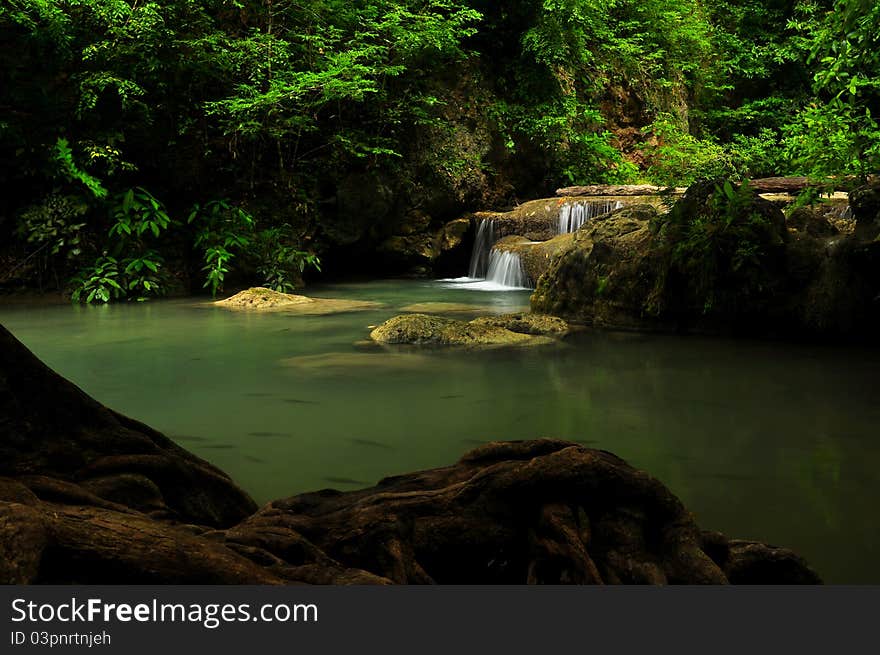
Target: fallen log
[(618, 190), (761, 185)]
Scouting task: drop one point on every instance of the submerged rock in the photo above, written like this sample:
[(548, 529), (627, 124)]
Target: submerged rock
[(340, 362), (445, 308), (262, 299), (89, 497), (423, 329)]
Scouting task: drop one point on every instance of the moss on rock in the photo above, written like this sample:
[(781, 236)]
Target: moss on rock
[(262, 299), (423, 329), (527, 323)]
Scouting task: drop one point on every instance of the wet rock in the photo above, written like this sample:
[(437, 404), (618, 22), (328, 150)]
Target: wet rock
[(262, 299), (697, 269), (605, 274), (812, 222), (752, 562), (453, 233), (865, 204), (423, 329), (418, 248), (535, 255), (541, 511), (527, 323)]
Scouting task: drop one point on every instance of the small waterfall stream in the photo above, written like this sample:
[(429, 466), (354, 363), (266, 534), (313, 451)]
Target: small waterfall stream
[(490, 269), (506, 270), (482, 245), (573, 215)]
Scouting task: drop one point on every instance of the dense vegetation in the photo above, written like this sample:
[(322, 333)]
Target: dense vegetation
[(159, 144)]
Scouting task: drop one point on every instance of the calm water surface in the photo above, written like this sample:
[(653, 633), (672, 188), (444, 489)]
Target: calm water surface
[(770, 441)]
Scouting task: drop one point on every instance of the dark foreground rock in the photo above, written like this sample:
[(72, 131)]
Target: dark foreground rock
[(66, 447), (541, 511)]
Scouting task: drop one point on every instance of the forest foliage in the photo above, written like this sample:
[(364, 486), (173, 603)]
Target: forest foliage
[(209, 132)]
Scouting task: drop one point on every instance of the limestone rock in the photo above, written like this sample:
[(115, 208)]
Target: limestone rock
[(527, 323), (605, 273), (812, 222), (262, 299), (423, 329), (747, 273)]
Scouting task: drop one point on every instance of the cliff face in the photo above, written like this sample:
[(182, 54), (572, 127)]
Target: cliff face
[(718, 264), (89, 496)]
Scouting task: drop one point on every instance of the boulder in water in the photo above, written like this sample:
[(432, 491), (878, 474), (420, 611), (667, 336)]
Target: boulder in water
[(262, 299), (423, 329), (527, 323), (605, 274), (536, 512)]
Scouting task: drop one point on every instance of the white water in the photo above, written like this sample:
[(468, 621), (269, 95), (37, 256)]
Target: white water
[(482, 245), (573, 215), (477, 284), (505, 272), (506, 269), (490, 270)]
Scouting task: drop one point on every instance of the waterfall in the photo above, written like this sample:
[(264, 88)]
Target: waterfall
[(490, 269), (506, 270), (573, 215), (482, 245)]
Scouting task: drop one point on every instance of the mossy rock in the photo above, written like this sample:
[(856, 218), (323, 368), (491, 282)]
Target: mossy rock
[(423, 329), (604, 275), (262, 299), (526, 323), (534, 255), (812, 222), (538, 220)]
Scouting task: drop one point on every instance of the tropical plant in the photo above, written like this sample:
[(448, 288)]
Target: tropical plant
[(99, 282), (223, 232), (280, 264)]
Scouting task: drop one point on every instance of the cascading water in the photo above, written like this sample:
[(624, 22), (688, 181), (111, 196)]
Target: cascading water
[(506, 270), (573, 215), (482, 245), (491, 270)]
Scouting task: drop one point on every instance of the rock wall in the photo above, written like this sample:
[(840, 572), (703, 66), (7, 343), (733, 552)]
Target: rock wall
[(697, 269)]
